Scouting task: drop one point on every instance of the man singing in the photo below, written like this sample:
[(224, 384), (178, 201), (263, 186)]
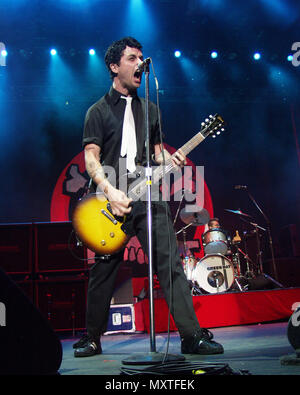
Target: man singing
[(114, 130)]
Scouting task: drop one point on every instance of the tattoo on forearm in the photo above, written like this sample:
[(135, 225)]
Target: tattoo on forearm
[(94, 170)]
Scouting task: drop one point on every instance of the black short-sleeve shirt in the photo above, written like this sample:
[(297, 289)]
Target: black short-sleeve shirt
[(104, 122)]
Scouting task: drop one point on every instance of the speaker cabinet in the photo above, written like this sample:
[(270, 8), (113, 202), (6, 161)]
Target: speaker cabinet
[(56, 248), (16, 248), (62, 301)]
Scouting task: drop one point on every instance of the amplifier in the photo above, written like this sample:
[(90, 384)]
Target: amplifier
[(56, 248), (16, 248), (62, 301)]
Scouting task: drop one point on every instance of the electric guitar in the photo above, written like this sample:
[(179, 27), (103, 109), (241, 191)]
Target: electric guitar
[(92, 219)]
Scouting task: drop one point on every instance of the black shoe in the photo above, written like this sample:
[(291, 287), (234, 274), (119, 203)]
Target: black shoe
[(201, 343), (87, 347)]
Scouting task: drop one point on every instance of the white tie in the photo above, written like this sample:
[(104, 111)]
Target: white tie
[(128, 146)]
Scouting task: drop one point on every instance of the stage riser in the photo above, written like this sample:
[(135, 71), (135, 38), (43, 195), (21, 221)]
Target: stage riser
[(228, 309)]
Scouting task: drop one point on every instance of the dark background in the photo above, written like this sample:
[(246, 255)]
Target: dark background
[(43, 99)]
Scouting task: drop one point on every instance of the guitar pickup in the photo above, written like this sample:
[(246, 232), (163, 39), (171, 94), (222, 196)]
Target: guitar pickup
[(112, 219), (117, 217)]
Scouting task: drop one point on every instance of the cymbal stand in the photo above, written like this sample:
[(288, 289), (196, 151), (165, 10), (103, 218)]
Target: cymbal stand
[(177, 212), (237, 262), (259, 256), (269, 235), (259, 251), (249, 273)]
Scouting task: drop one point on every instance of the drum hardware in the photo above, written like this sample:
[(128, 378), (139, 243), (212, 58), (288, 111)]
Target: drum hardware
[(177, 212), (195, 290), (258, 264), (196, 218), (183, 229), (189, 263), (268, 231), (200, 216), (238, 212)]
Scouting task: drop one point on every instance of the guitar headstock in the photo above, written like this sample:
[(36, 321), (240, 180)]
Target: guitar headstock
[(212, 125)]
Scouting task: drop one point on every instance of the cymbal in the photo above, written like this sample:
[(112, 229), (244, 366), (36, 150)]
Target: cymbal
[(195, 218), (239, 212)]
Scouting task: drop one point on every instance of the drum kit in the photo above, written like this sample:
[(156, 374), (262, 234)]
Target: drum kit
[(220, 268)]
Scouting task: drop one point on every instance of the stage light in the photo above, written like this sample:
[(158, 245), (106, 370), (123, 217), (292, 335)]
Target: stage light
[(256, 56), (53, 52), (4, 53), (92, 52), (177, 54), (214, 55), (290, 58)]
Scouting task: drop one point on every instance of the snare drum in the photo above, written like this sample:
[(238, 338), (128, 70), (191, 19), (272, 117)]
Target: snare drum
[(214, 273), (215, 242)]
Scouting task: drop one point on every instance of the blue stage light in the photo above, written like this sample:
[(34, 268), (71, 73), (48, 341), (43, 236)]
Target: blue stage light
[(256, 56), (214, 54), (290, 58), (92, 52), (4, 53), (53, 52), (177, 54)]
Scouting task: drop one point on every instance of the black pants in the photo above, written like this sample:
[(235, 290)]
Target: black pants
[(103, 273)]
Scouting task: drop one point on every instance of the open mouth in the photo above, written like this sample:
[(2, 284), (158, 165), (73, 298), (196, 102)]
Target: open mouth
[(138, 75)]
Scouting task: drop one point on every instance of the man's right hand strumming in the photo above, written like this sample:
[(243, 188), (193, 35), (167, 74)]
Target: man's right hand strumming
[(119, 202)]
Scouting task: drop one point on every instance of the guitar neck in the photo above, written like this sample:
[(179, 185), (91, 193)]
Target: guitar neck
[(139, 189), (186, 149)]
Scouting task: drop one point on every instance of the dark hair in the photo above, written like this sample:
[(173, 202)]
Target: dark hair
[(115, 51), (213, 219)]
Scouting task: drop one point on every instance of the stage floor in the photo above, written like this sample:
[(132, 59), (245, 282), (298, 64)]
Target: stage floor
[(256, 348)]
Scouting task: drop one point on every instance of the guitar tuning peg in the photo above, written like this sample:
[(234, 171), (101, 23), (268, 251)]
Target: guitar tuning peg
[(222, 129), (210, 116), (206, 120), (218, 132), (213, 136)]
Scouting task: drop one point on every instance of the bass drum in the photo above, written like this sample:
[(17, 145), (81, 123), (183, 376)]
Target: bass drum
[(214, 273)]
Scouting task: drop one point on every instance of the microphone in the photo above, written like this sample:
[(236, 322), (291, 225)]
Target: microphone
[(143, 64), (240, 187)]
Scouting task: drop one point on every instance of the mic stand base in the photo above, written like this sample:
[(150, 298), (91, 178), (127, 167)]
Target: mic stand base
[(151, 358)]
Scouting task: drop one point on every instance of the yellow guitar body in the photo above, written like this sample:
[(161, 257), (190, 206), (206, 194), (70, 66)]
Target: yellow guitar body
[(97, 227)]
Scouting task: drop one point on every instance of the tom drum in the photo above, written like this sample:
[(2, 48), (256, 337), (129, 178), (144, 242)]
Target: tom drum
[(215, 242)]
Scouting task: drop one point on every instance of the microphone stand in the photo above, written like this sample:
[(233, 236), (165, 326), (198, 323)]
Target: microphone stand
[(153, 357), (269, 237)]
